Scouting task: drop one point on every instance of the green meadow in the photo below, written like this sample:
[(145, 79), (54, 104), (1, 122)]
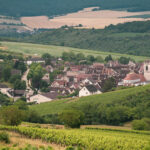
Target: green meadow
[(39, 49)]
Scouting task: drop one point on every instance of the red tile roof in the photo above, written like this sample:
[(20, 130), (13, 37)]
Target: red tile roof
[(134, 76)]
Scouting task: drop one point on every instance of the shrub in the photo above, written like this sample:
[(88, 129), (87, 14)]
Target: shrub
[(11, 115), (143, 124), (72, 118), (73, 148), (70, 148), (4, 137)]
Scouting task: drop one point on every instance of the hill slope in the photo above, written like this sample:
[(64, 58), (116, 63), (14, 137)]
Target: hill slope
[(39, 49), (19, 8), (129, 38), (108, 108)]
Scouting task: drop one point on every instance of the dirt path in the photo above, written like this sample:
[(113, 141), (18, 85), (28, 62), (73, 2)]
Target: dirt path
[(21, 142), (3, 48)]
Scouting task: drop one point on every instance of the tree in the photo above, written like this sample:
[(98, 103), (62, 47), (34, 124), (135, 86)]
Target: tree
[(34, 117), (108, 58), (36, 73), (109, 84), (91, 58), (19, 85), (14, 78), (69, 56), (22, 105), (11, 115), (143, 124), (72, 118), (124, 60), (6, 73), (54, 74), (80, 56), (117, 114), (4, 100), (47, 57), (99, 59), (20, 65)]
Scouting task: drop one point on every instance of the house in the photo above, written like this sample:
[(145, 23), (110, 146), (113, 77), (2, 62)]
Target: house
[(15, 72), (82, 76), (39, 98), (64, 91), (45, 97), (131, 64), (49, 68), (19, 93), (133, 79), (86, 81), (4, 89), (35, 60), (1, 60), (112, 64), (46, 78), (98, 66), (52, 95), (89, 90), (59, 83), (147, 70)]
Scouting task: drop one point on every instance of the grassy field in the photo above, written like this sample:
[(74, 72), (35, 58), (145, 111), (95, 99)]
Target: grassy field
[(87, 139), (106, 98), (38, 49)]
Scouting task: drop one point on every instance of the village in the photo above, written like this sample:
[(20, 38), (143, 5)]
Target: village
[(51, 79)]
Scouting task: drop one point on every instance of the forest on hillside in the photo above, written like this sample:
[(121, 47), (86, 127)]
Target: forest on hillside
[(18, 8), (129, 38)]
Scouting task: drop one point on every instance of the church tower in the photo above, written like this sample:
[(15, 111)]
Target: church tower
[(147, 70)]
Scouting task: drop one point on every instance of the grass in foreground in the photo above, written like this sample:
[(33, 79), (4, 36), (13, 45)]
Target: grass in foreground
[(39, 49), (17, 141)]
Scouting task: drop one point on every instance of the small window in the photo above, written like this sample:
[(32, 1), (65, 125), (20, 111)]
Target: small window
[(146, 68)]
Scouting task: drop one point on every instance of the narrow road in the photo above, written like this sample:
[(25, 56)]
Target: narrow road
[(24, 78), (30, 92)]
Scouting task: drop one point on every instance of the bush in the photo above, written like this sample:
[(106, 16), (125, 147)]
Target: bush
[(34, 117), (4, 137), (73, 148), (143, 124), (11, 115), (72, 118), (70, 148)]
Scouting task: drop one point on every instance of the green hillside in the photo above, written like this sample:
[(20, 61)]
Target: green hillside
[(38, 49), (108, 108), (132, 38), (129, 38)]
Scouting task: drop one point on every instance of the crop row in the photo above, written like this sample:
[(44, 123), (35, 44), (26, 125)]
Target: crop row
[(87, 139)]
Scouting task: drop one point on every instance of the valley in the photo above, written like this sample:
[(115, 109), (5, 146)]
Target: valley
[(74, 75)]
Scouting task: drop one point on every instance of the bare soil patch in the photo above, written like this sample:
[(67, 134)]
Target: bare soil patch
[(22, 141), (107, 127), (3, 48)]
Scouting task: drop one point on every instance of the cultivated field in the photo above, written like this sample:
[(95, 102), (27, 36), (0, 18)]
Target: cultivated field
[(39, 49), (88, 139), (87, 17)]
